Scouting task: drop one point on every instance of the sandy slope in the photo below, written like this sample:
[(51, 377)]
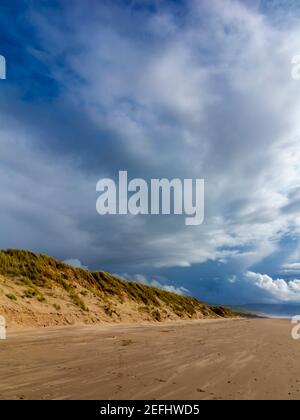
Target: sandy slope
[(210, 359)]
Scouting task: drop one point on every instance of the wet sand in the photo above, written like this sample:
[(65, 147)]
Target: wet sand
[(226, 359)]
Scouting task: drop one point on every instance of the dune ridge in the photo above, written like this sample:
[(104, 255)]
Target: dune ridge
[(38, 291)]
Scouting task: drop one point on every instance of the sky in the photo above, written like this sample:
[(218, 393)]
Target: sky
[(174, 89)]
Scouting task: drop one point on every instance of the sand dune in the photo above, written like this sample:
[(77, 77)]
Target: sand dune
[(40, 291), (209, 359)]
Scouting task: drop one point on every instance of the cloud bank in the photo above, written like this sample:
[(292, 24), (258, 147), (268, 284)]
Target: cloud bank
[(276, 289), (141, 278), (191, 90)]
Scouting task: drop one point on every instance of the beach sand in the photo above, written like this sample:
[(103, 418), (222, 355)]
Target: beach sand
[(209, 359)]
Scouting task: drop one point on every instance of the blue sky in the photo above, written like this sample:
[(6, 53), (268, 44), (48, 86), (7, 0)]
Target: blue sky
[(176, 89)]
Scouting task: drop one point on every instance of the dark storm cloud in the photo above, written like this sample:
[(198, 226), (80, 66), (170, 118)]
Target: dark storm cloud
[(190, 90)]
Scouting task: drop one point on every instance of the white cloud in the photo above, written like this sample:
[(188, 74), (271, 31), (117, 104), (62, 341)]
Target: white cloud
[(140, 278), (232, 279), (291, 268), (74, 262), (278, 289)]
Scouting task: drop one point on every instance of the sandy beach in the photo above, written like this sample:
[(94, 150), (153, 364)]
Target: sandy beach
[(213, 359)]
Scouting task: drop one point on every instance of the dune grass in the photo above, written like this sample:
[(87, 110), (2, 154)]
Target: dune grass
[(39, 270)]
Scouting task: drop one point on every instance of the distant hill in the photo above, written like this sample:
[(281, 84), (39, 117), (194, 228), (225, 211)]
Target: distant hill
[(37, 290), (287, 310)]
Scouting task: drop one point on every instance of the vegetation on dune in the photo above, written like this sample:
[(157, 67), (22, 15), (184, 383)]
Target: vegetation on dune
[(11, 296), (40, 271)]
